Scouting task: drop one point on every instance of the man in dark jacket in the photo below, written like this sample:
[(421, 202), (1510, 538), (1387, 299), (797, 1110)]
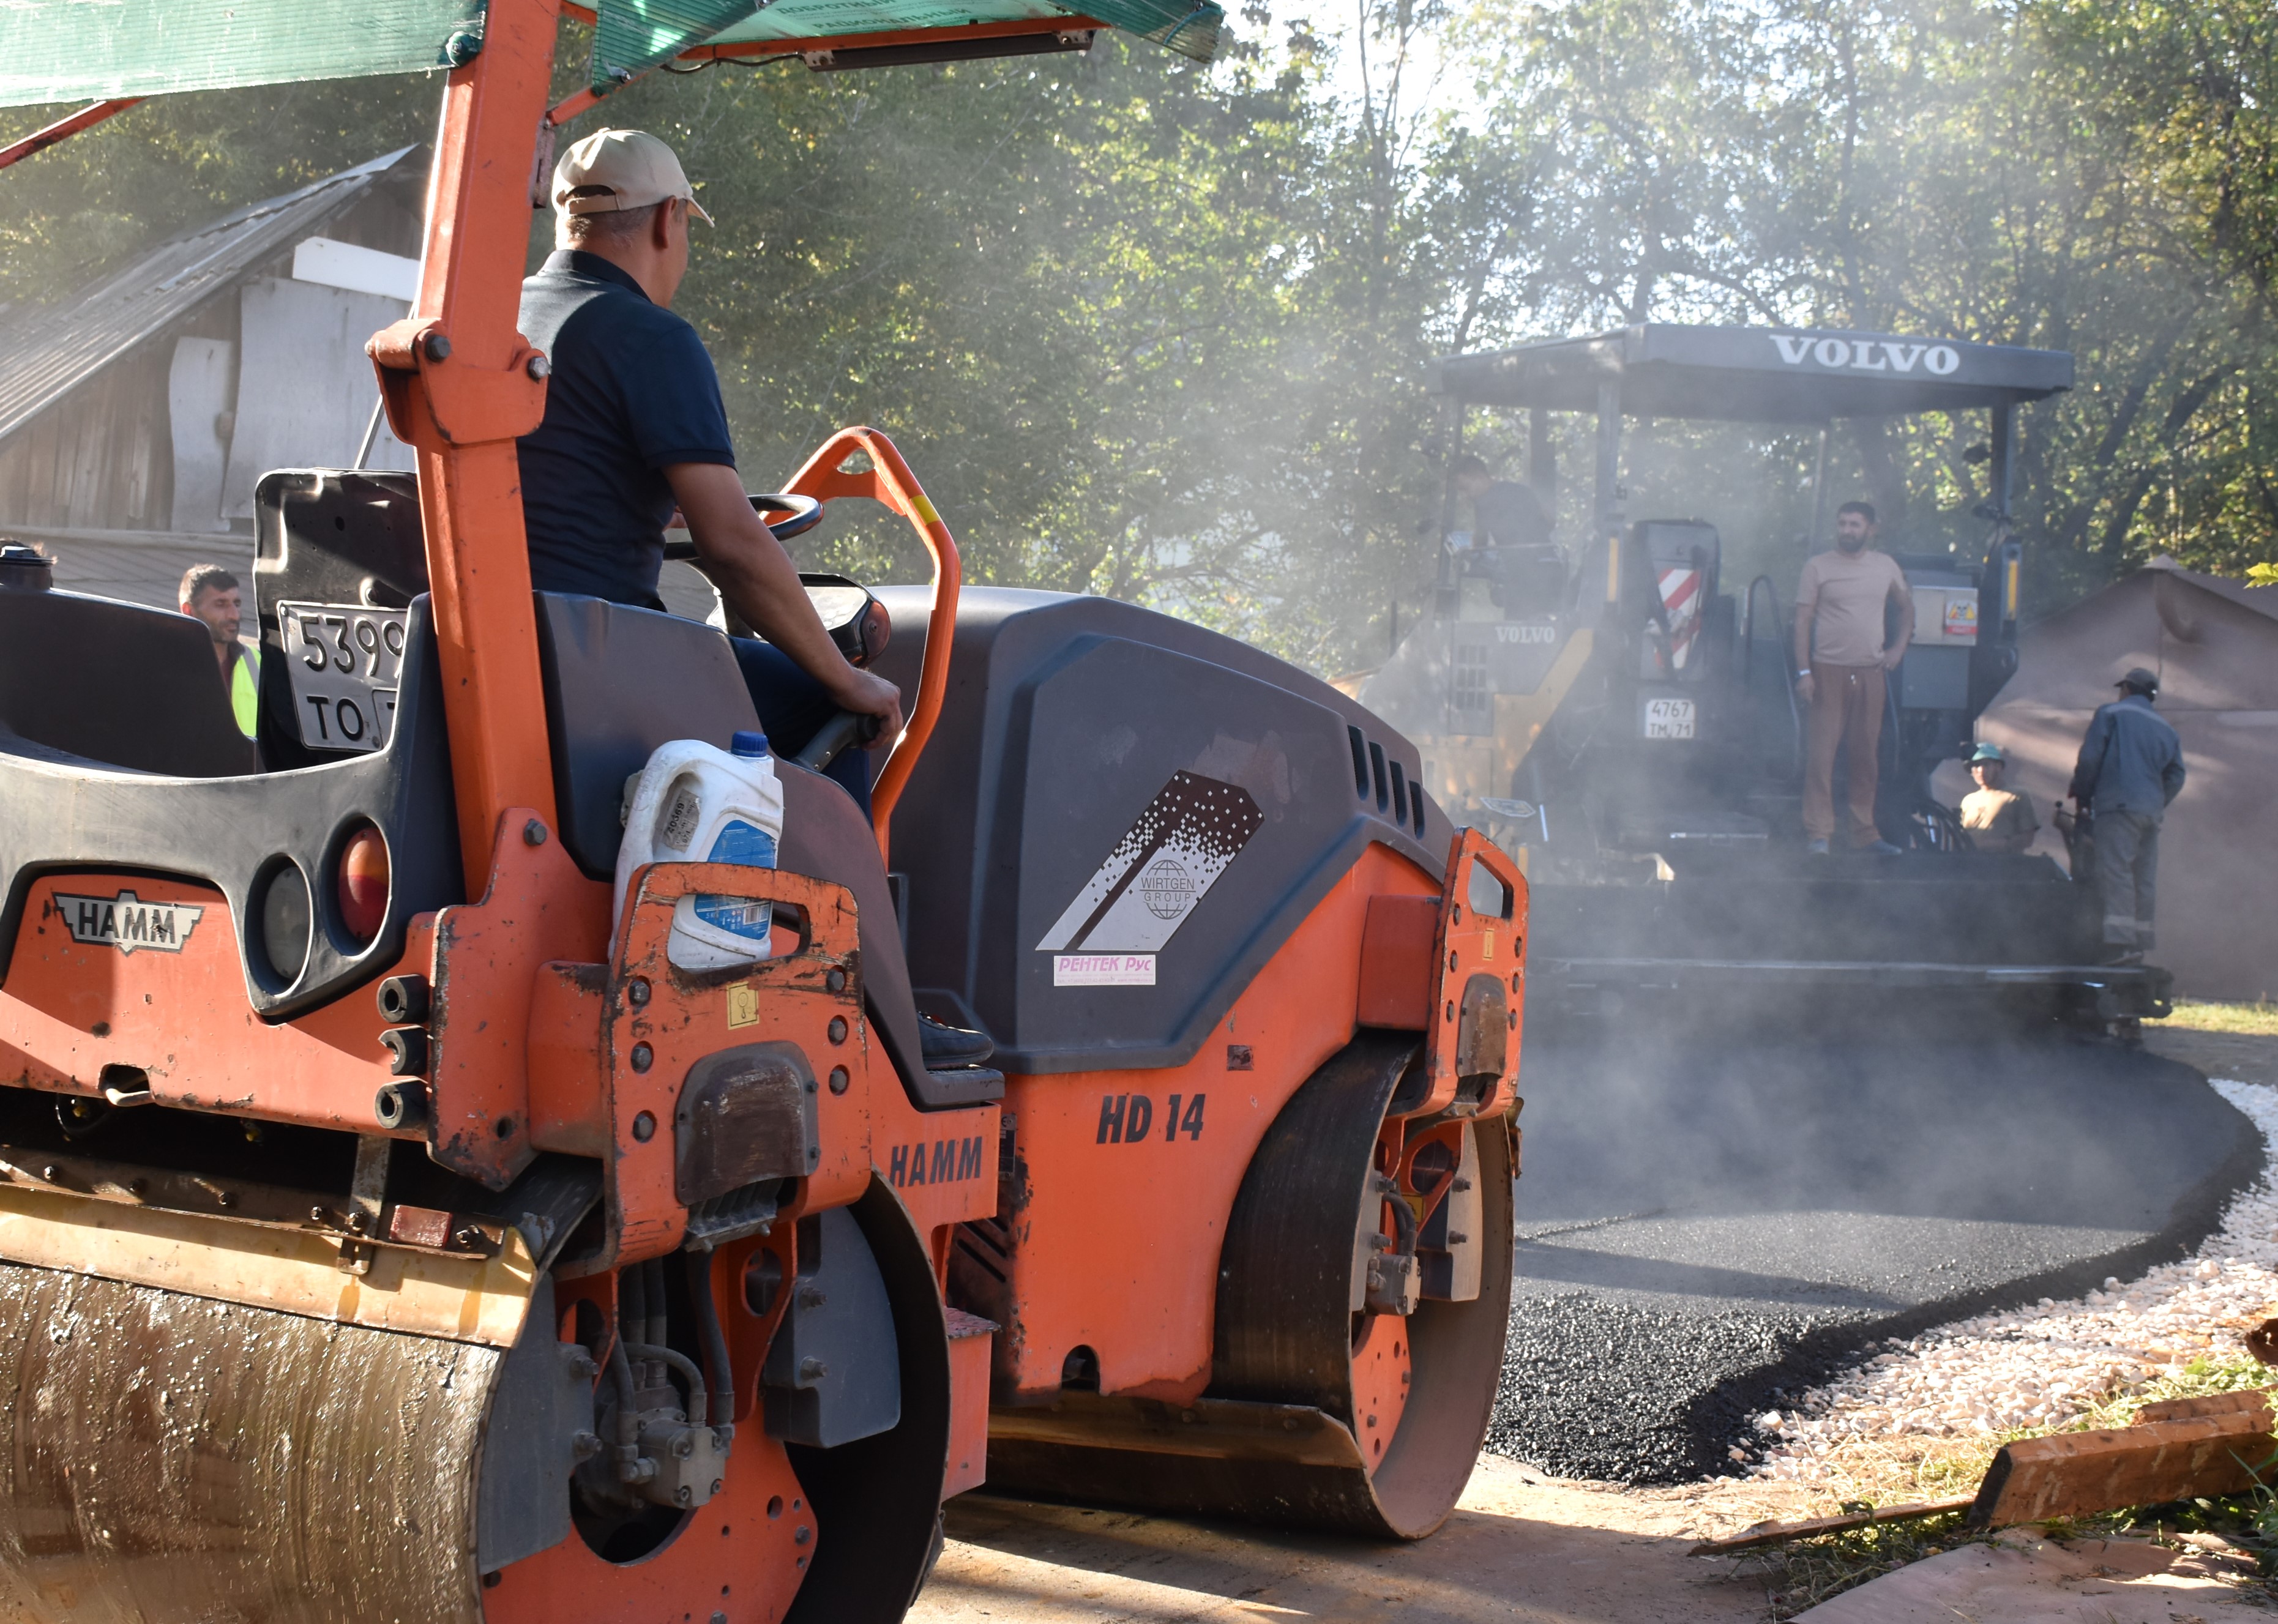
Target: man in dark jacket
[(2130, 768)]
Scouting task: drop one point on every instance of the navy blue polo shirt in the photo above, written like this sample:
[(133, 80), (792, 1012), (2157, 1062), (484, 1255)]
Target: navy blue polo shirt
[(632, 392)]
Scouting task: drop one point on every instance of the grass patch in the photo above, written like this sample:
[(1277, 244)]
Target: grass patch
[(2256, 1019), (1890, 1471), (1804, 1573)]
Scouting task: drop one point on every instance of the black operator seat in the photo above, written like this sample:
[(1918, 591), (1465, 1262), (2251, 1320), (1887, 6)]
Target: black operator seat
[(619, 682), (110, 682)]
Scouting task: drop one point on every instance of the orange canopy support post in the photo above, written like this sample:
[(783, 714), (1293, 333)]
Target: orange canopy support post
[(460, 385), (63, 129), (889, 480)]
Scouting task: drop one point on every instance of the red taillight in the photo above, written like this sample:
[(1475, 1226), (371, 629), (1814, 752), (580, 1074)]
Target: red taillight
[(363, 884)]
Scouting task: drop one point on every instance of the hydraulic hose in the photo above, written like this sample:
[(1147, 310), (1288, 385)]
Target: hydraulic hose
[(621, 1377), (632, 1304), (698, 1401), (657, 1332), (1403, 1217), (715, 1341)]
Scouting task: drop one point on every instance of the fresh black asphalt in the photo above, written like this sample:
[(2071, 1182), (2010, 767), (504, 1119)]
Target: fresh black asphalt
[(1709, 1222)]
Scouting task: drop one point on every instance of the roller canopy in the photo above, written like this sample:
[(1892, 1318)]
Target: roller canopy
[(1755, 374), (63, 51), (630, 39), (66, 51)]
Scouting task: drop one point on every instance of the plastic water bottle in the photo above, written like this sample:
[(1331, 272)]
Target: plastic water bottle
[(694, 802)]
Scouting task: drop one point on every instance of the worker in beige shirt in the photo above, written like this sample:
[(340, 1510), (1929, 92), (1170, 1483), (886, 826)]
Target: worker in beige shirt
[(1998, 820), (1841, 664)]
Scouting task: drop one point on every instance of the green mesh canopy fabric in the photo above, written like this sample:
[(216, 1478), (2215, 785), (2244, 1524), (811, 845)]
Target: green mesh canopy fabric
[(1191, 30), (635, 34), (70, 51), (793, 20)]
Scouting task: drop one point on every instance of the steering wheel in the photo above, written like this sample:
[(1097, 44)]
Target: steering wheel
[(802, 514)]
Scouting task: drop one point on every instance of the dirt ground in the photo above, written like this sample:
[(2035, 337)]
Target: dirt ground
[(1520, 1546)]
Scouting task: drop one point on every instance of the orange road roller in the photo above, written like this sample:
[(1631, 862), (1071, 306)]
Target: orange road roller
[(394, 1227)]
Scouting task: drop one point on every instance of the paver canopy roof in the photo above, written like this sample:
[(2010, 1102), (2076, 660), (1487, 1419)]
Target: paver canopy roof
[(1755, 374), (68, 50)]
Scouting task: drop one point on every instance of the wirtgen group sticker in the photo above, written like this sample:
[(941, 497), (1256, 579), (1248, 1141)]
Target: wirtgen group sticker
[(1156, 876), (126, 922)]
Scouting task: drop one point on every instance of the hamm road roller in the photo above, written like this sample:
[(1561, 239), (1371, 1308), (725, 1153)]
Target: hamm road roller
[(393, 1227)]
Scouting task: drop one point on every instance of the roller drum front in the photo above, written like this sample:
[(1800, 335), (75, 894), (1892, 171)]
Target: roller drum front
[(174, 1460)]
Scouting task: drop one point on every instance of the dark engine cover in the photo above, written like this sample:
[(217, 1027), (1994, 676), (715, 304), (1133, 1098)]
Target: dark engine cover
[(1120, 817)]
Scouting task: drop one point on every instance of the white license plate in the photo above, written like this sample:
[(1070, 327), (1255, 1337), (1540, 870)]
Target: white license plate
[(1668, 719), (347, 663)]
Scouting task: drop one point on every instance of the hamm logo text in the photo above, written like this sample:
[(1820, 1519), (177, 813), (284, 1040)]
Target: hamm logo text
[(126, 922)]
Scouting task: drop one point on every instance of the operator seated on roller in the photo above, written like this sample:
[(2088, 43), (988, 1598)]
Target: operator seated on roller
[(634, 427), (1998, 820)]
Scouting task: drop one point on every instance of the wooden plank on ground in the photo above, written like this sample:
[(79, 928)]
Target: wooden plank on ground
[(1773, 1533), (2075, 1474), (2251, 1400)]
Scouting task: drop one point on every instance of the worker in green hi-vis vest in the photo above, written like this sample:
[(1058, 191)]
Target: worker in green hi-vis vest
[(212, 594)]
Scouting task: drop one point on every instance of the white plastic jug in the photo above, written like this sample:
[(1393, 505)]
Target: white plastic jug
[(694, 802)]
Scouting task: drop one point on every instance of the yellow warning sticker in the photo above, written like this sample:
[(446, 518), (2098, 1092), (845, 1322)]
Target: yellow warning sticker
[(1487, 945), (742, 1005), (925, 510)]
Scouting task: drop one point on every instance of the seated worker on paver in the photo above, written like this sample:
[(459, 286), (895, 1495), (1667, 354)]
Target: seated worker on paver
[(2130, 770), (1998, 820), (634, 426), (1842, 662), (213, 596)]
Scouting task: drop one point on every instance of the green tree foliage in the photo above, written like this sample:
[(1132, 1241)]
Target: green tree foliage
[(1163, 331), (2069, 175)]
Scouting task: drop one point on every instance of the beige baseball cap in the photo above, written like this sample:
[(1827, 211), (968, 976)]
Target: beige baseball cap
[(638, 169)]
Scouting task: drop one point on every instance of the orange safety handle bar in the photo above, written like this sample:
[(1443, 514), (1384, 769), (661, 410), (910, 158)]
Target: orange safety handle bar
[(887, 480)]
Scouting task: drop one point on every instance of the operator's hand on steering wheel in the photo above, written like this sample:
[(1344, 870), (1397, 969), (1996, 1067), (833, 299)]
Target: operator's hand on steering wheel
[(867, 694)]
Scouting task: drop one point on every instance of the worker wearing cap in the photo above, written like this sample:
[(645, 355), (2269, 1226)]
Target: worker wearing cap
[(1998, 820), (2131, 769), (1842, 663), (635, 427)]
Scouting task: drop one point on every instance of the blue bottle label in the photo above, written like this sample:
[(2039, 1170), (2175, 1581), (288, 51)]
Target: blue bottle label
[(739, 842)]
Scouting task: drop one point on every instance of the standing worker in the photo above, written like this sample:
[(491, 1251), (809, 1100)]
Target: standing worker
[(1841, 666), (1998, 820), (212, 594), (2130, 770)]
